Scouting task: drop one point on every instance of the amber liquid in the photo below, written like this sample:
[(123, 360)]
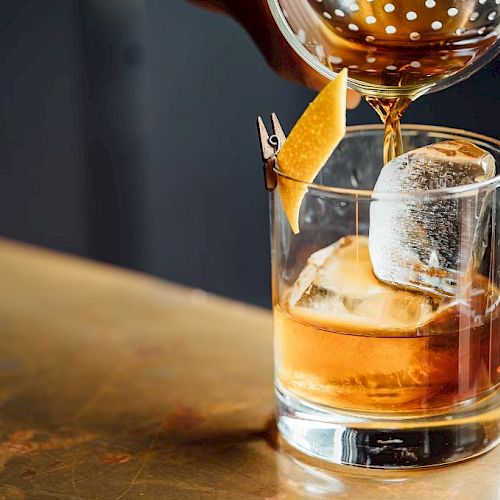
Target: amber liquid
[(395, 51), (452, 361)]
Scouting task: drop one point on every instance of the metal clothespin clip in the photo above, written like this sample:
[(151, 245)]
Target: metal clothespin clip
[(270, 146)]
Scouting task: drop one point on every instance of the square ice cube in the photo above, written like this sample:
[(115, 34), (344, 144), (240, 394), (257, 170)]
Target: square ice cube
[(338, 286), (434, 243)]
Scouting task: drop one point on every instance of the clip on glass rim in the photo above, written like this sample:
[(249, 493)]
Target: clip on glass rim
[(270, 146)]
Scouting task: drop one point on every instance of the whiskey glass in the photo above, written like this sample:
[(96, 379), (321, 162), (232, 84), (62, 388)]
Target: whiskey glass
[(371, 375)]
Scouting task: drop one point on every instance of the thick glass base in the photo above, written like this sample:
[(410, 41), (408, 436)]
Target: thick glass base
[(389, 442)]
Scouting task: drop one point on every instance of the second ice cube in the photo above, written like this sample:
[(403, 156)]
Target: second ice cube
[(431, 243)]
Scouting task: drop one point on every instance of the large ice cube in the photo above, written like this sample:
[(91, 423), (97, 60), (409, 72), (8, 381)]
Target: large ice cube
[(337, 287), (431, 244)]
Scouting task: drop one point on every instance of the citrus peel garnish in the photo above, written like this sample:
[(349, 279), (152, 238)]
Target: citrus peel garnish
[(311, 142)]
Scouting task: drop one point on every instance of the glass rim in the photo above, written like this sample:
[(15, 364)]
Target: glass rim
[(306, 56), (367, 194)]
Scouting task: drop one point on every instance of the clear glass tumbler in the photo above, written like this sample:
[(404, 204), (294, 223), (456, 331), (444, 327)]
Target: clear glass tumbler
[(374, 375)]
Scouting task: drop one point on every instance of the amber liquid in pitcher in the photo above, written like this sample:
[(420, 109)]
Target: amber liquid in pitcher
[(397, 51)]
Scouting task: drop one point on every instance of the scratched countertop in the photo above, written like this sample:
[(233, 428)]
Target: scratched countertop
[(117, 385)]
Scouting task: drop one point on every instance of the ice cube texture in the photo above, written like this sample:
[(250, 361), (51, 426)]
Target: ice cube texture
[(338, 287), (428, 242)]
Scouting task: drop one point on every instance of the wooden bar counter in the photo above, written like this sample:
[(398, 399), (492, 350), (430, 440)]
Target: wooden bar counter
[(117, 385)]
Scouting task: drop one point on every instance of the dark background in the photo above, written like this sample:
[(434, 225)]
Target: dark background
[(127, 135)]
